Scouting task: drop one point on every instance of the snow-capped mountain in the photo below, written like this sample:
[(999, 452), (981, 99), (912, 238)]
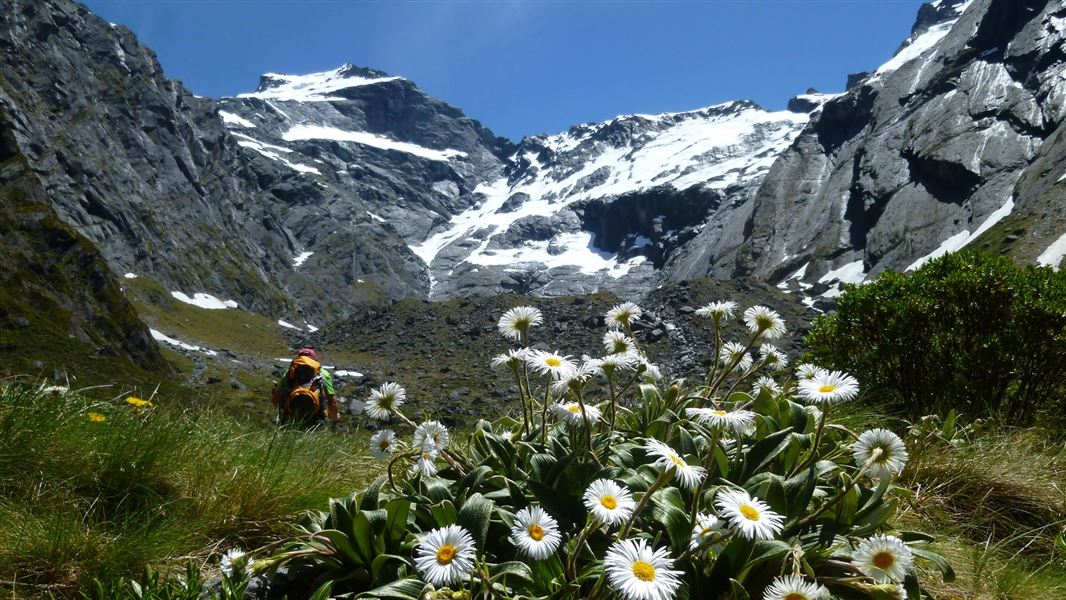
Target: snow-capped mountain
[(484, 216), (314, 194)]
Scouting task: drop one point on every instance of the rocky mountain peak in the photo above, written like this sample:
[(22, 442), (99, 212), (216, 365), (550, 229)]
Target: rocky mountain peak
[(316, 87)]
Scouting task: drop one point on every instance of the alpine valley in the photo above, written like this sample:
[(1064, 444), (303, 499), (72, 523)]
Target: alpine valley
[(318, 198)]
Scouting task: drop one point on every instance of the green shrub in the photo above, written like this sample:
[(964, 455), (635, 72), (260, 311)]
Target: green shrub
[(714, 492), (967, 331)]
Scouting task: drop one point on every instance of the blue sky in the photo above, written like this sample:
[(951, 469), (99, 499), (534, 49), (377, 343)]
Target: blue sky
[(534, 66)]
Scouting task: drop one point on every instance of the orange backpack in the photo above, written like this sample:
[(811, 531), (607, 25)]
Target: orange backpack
[(304, 397)]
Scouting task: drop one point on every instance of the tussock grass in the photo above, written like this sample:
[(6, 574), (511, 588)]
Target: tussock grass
[(998, 503), (81, 499)]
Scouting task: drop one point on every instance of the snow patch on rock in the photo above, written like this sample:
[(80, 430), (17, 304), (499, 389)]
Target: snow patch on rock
[(204, 300)]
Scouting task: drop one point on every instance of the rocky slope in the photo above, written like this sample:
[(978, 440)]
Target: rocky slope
[(61, 312), (955, 141)]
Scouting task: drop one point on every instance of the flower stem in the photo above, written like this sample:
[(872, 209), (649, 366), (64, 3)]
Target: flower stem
[(571, 561), (711, 450), (660, 482)]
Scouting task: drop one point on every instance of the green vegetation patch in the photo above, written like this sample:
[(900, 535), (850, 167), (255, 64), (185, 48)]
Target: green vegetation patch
[(93, 488)]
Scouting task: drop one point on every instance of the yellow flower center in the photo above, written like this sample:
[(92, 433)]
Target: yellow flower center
[(884, 560), (574, 408), (536, 532), (553, 362), (796, 596), (620, 347), (825, 389), (677, 461), (705, 531), (750, 513), (644, 571), (445, 554), (719, 413), (609, 502)]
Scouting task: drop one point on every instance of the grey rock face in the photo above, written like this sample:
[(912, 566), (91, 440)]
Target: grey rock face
[(317, 194), (922, 156)]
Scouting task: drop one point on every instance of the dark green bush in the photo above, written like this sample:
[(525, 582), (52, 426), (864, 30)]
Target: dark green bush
[(967, 331)]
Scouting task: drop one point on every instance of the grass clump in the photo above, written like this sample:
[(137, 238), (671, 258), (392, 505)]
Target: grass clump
[(100, 489), (997, 501)]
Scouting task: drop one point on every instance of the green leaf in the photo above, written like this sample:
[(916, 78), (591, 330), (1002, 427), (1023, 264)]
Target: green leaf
[(322, 593), (799, 490), (565, 508), (396, 524), (383, 559), (343, 544), (474, 478), (941, 562), (872, 520), (764, 451), (916, 536), (373, 491), (444, 513), (362, 537), (516, 568), (767, 551), (404, 589), (474, 517)]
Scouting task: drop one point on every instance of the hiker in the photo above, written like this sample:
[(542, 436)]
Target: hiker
[(304, 393)]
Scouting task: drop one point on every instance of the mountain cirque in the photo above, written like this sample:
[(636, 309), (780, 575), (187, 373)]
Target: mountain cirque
[(316, 195)]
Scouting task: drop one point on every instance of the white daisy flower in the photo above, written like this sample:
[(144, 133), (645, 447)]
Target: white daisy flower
[(808, 371), (651, 372), (794, 587), (613, 363), (735, 421), (54, 389), (535, 533), (387, 398), (609, 503), (764, 322), (431, 436), (511, 359), (890, 461), (516, 322), (572, 381), (622, 315), (732, 351), (884, 557), (570, 412), (445, 556), (382, 444), (639, 572), (426, 465), (617, 342), (708, 527), (720, 312), (749, 515), (772, 357), (829, 387), (687, 475), (765, 383), (233, 560), (550, 363)]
